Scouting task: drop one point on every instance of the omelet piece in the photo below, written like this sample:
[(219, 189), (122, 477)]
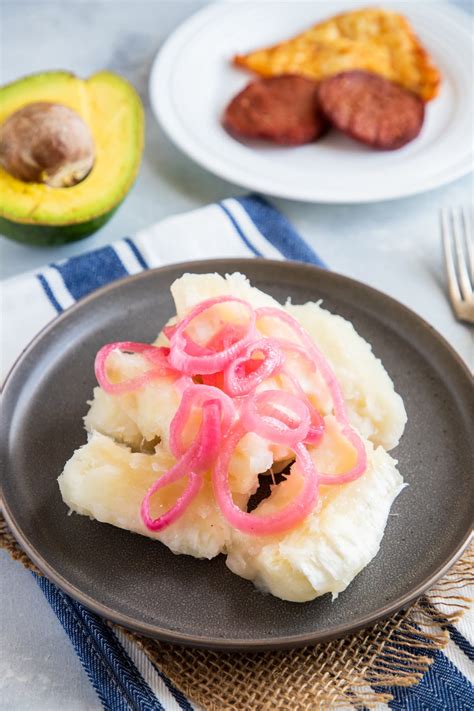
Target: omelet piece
[(372, 39), (325, 552)]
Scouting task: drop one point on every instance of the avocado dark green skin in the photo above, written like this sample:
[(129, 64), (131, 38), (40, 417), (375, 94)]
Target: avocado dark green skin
[(52, 235)]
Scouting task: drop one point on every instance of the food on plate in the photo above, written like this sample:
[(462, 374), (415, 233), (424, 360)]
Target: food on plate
[(281, 109), (371, 109), (371, 79), (326, 551), (70, 149), (372, 39), (236, 386)]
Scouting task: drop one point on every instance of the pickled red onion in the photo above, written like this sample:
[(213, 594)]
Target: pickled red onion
[(316, 428), (231, 407), (224, 338), (238, 383), (359, 467), (193, 464), (312, 350), (339, 404), (156, 356), (207, 363), (179, 507), (230, 333), (263, 415), (287, 518), (197, 395)]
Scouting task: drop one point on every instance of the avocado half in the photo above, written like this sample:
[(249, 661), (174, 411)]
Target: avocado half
[(38, 214)]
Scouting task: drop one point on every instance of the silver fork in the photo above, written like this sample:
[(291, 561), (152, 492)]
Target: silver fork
[(456, 232)]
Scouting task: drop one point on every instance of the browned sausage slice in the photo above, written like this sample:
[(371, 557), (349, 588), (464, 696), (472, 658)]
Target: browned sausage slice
[(282, 109), (371, 109)]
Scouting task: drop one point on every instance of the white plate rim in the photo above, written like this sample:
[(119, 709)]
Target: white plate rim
[(166, 117)]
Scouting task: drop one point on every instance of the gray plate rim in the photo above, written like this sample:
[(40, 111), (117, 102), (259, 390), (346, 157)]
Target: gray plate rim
[(220, 643)]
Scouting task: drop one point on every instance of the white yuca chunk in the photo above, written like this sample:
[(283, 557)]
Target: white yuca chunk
[(138, 416), (252, 456), (106, 416), (334, 454), (106, 481), (152, 408), (374, 407), (161, 339), (326, 551), (190, 289)]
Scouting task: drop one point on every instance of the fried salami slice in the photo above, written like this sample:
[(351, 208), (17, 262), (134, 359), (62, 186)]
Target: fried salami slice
[(283, 109), (371, 109)]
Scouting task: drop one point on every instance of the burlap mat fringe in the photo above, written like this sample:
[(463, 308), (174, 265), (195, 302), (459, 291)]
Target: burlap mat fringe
[(395, 652), (8, 543)]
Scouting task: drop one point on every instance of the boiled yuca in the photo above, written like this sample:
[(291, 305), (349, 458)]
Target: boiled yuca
[(327, 550), (373, 405), (106, 481), (131, 440)]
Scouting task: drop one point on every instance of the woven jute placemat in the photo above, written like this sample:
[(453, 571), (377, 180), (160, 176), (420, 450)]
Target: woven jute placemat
[(394, 652)]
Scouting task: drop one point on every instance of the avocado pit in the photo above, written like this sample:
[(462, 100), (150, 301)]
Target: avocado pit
[(46, 143)]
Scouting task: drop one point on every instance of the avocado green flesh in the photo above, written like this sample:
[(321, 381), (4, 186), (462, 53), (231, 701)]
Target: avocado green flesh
[(34, 213)]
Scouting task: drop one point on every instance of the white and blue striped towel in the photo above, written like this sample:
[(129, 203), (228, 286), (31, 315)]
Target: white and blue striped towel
[(121, 673)]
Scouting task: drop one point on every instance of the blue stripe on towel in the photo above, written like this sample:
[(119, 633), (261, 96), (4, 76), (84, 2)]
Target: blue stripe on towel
[(239, 230), (178, 695), (49, 293), (136, 252), (443, 687), (277, 230), (117, 681), (463, 644), (90, 271)]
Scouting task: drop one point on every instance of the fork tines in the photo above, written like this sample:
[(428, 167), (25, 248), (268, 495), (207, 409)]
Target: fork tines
[(457, 235)]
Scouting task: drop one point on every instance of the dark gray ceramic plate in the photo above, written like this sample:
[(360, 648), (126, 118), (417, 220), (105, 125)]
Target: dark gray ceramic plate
[(138, 582)]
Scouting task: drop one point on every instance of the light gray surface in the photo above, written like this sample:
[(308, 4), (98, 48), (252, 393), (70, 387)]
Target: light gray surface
[(392, 246)]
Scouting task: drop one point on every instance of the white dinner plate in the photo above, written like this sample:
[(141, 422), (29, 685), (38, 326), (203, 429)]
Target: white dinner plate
[(192, 80)]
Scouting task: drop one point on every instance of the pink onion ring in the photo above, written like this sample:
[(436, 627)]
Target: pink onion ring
[(169, 330), (237, 383), (262, 414), (287, 518), (330, 379), (179, 507), (229, 334), (207, 363), (317, 427), (231, 407), (359, 467), (319, 359), (193, 464), (197, 395), (157, 356)]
